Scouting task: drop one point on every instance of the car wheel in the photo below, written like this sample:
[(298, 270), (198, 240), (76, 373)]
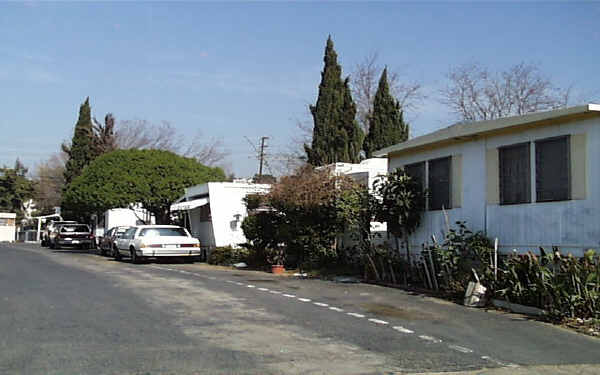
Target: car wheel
[(135, 259), (116, 254), (102, 251)]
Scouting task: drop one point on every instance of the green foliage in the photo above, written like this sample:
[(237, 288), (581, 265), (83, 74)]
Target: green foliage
[(152, 178), (336, 134), (303, 215), (461, 252), (386, 123), (15, 189), (564, 286), (226, 256), (262, 230), (401, 202), (82, 149), (254, 201)]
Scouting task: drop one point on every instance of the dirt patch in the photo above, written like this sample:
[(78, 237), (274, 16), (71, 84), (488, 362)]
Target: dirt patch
[(380, 309), (258, 281)]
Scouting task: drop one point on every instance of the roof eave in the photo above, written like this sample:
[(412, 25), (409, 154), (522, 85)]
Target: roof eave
[(473, 129)]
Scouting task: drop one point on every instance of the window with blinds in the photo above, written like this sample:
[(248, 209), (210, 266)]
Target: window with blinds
[(439, 183), (417, 172), (515, 175), (552, 169)]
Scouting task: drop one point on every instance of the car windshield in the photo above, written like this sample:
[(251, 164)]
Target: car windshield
[(75, 228), (163, 232)]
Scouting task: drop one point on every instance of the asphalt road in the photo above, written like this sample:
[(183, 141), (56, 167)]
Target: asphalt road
[(71, 312)]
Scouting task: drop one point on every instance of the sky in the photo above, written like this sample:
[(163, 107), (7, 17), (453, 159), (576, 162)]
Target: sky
[(237, 71)]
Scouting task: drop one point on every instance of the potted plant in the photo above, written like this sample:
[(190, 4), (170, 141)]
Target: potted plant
[(276, 258)]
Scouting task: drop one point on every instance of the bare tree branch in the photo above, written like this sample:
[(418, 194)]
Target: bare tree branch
[(141, 134), (365, 80), (474, 93)]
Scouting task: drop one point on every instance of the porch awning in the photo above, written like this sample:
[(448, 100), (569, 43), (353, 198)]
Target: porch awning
[(189, 205)]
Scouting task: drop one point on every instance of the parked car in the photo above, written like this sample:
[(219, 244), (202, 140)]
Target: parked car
[(107, 242), (149, 241), (47, 235), (72, 235)]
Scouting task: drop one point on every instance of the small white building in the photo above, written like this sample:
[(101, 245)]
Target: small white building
[(366, 172), (122, 217), (214, 211), (531, 181), (8, 228)]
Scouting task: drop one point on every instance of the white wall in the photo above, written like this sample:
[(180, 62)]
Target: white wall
[(125, 217), (8, 232), (225, 200), (571, 225)]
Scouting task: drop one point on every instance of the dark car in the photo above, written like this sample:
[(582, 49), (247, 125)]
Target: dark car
[(72, 235), (107, 241), (48, 232)]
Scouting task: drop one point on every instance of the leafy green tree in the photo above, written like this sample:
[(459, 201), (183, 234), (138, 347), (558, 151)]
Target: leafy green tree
[(15, 189), (123, 178), (336, 134), (400, 203), (81, 151), (386, 123)]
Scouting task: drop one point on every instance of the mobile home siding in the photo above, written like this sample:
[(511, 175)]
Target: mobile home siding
[(570, 224)]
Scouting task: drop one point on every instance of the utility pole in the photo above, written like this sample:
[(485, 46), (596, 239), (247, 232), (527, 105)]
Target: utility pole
[(262, 154)]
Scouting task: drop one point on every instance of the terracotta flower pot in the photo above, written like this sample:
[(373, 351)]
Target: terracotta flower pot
[(277, 268)]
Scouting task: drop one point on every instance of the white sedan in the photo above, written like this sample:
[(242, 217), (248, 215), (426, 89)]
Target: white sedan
[(148, 241)]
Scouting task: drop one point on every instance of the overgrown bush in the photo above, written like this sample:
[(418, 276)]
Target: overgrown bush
[(565, 286), (462, 252), (226, 256)]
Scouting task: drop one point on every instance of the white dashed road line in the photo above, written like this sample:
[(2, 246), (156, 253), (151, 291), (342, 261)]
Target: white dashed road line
[(402, 329), (377, 321), (504, 364), (461, 349), (430, 339), (356, 315)]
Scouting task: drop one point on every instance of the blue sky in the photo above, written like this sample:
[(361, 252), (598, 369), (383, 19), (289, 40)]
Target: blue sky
[(250, 69)]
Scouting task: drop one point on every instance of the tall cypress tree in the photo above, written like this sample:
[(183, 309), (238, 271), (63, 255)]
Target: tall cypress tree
[(335, 133), (386, 123), (81, 152)]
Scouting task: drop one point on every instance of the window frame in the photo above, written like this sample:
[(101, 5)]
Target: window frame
[(501, 179), (430, 190), (423, 163), (567, 139)]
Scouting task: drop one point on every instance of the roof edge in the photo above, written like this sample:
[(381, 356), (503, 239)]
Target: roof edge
[(481, 127)]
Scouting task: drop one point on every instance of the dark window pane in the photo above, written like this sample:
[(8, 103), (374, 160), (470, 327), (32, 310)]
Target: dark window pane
[(515, 175), (417, 172), (439, 184), (552, 182)]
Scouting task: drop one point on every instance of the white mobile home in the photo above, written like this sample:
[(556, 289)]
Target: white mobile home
[(8, 227), (366, 173), (528, 180), (214, 211)]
